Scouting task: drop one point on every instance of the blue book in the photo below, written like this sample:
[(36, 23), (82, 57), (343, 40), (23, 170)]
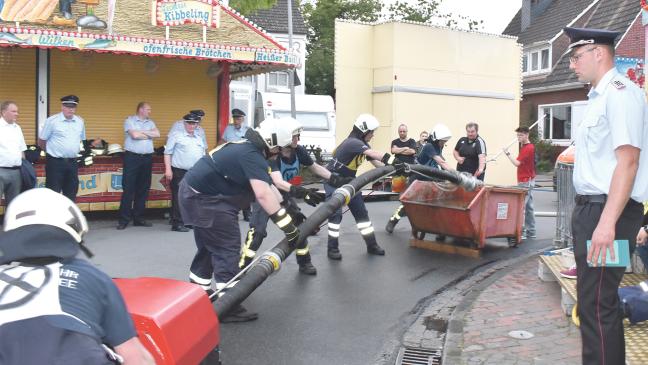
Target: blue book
[(621, 254)]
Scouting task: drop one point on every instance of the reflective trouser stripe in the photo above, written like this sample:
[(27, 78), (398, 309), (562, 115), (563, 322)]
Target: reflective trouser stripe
[(220, 286), (302, 251), (366, 231), (334, 230), (205, 284), (362, 225)]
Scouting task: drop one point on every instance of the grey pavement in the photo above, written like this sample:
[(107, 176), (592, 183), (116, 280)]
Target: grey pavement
[(360, 310)]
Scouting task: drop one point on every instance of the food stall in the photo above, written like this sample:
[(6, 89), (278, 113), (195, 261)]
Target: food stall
[(177, 55)]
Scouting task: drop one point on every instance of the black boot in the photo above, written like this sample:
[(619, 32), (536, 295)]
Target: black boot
[(334, 254), (239, 314), (391, 225), (375, 250), (307, 268)]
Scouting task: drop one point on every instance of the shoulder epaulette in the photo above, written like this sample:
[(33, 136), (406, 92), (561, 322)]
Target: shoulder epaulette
[(618, 84)]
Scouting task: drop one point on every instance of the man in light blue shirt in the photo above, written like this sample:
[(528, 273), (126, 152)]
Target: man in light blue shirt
[(61, 138), (182, 150), (12, 151), (179, 125), (236, 130), (138, 165)]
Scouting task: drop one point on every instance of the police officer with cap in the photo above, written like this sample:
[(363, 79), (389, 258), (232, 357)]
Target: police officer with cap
[(179, 125), (236, 130), (182, 150), (61, 138), (610, 174), (213, 191)]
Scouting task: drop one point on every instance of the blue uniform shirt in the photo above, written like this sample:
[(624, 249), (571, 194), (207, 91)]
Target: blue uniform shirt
[(231, 134), (185, 149), (138, 145), (63, 136), (228, 169), (348, 156), (426, 157)]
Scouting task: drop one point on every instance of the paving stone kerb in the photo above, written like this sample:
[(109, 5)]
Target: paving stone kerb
[(513, 299)]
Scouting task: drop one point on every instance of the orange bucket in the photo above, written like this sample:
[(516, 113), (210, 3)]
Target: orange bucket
[(398, 184)]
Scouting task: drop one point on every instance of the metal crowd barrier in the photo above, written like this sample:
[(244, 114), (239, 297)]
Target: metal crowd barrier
[(566, 194)]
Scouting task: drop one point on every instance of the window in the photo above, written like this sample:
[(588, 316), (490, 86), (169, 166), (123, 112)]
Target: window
[(536, 61), (310, 120), (278, 80), (557, 124)]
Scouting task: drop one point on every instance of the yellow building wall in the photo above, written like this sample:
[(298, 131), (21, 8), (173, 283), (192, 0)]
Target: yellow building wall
[(110, 86), (18, 83), (412, 55)]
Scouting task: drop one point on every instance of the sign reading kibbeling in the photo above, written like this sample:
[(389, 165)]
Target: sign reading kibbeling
[(178, 12)]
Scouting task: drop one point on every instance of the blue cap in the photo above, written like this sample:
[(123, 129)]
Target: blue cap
[(582, 36), (237, 113), (70, 99), (191, 118)]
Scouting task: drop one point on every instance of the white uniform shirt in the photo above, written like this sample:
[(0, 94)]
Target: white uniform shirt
[(616, 115), (12, 144)]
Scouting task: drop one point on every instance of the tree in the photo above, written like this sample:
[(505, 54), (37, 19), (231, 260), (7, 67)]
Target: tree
[(426, 11), (246, 7), (320, 19)]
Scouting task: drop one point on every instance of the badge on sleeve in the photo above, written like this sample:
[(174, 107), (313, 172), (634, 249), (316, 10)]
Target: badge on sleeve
[(618, 84)]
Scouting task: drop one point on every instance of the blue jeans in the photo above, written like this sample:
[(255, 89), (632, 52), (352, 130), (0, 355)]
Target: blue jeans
[(529, 217)]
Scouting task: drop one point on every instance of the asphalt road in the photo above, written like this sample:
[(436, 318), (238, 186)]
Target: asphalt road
[(353, 312)]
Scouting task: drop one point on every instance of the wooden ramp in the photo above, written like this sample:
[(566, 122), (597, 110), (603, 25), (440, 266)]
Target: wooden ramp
[(636, 336)]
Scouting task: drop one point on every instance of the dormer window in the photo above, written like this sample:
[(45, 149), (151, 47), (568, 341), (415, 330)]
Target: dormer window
[(536, 61)]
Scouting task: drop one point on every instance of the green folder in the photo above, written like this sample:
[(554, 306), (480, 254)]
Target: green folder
[(621, 254)]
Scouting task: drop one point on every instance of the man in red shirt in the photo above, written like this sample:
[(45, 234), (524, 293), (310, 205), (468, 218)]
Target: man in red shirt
[(525, 163)]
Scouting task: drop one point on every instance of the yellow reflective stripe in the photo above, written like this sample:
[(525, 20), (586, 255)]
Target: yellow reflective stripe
[(366, 231), (302, 251), (249, 253), (333, 226), (334, 234), (362, 225), (284, 221)]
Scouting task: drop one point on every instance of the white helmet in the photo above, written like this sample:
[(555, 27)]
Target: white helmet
[(114, 148), (366, 123), (292, 124), (275, 133), (440, 133), (44, 206)]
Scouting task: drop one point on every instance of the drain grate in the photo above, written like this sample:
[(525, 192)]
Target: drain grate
[(419, 356)]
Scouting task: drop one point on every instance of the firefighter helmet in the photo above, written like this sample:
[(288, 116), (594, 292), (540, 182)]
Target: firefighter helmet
[(366, 123), (46, 207), (275, 133), (440, 133)]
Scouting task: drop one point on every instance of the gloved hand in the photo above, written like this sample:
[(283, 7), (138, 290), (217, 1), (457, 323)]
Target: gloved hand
[(393, 161), (294, 211), (336, 180), (310, 196), (283, 220)]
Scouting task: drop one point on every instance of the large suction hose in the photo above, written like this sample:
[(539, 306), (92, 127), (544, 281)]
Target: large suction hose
[(270, 261)]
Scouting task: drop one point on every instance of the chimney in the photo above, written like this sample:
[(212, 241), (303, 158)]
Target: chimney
[(525, 19)]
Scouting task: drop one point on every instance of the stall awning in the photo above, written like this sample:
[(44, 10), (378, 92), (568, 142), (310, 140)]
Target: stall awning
[(199, 29)]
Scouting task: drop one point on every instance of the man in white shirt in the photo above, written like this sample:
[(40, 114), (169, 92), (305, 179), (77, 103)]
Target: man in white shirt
[(12, 145)]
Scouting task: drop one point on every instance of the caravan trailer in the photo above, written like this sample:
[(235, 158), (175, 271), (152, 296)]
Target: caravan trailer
[(315, 112)]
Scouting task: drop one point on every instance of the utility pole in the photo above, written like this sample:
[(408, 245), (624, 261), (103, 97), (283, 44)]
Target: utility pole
[(291, 73)]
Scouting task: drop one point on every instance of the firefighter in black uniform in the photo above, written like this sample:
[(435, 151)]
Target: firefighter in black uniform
[(285, 167), (347, 157), (215, 189)]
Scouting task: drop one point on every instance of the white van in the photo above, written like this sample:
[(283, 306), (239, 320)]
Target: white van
[(315, 112)]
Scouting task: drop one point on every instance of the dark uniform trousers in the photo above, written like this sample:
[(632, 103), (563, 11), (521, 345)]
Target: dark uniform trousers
[(176, 217), (259, 222), (216, 231), (62, 176), (360, 214), (601, 320), (136, 182)]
